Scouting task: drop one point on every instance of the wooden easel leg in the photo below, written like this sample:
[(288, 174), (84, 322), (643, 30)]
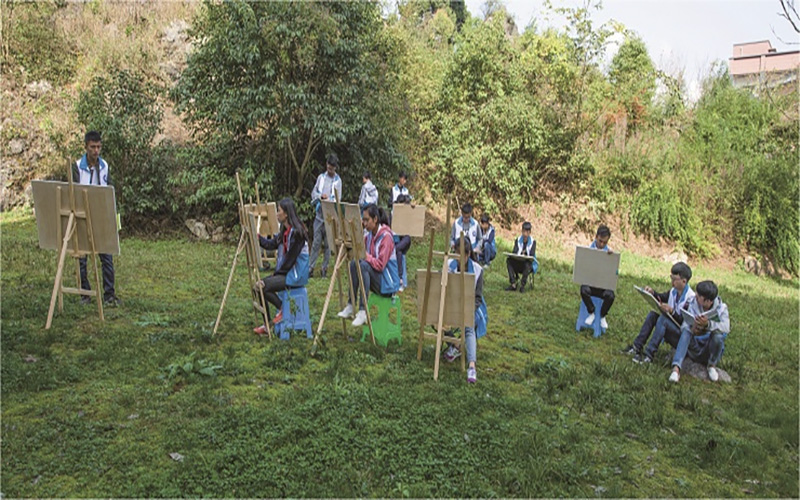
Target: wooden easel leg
[(90, 232), (60, 270), (364, 292), (339, 258), (425, 293), (342, 302), (228, 286)]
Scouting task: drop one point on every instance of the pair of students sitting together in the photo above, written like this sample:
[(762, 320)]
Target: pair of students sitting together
[(694, 322)]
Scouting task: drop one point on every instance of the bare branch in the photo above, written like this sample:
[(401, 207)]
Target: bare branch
[(788, 5)]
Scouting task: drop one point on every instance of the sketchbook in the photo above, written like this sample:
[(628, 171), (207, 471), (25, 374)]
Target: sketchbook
[(654, 304), (689, 317)]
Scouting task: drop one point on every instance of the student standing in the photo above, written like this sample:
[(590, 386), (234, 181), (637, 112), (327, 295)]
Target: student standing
[(587, 292), (369, 193), (524, 245), (328, 187), (291, 268), (92, 169), (379, 268)]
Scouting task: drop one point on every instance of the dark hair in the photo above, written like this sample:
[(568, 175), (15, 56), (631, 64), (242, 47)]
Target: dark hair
[(467, 247), (485, 218), (682, 270), (466, 208), (707, 289), (287, 205), (375, 212), (333, 160), (603, 230), (403, 198), (366, 175), (526, 226), (403, 175), (92, 136)]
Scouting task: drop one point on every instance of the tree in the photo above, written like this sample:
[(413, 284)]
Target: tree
[(291, 81), (633, 76)]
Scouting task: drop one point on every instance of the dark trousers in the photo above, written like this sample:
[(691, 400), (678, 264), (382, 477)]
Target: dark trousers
[(587, 292), (666, 332), (272, 285), (372, 281), (108, 275), (516, 267)]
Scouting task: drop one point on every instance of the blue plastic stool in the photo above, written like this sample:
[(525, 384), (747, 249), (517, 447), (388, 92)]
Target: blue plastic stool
[(295, 313), (386, 314), (583, 314)]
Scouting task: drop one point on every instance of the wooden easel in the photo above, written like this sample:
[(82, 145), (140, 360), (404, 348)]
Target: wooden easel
[(439, 335), (349, 249), (260, 307), (263, 259), (70, 234)]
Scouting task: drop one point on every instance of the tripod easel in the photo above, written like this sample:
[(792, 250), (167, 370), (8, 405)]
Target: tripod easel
[(441, 320), (350, 248), (260, 307), (70, 235)]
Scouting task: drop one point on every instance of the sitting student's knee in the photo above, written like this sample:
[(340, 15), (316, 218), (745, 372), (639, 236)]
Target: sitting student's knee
[(608, 295)]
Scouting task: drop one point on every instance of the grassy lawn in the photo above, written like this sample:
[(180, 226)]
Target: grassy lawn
[(94, 409)]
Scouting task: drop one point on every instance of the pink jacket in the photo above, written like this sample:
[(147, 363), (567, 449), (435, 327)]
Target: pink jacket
[(380, 248)]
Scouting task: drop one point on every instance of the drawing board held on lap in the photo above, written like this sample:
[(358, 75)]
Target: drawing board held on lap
[(653, 302), (596, 268), (102, 209), (408, 220), (519, 257)]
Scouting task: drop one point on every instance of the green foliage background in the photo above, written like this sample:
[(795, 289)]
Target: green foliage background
[(474, 107)]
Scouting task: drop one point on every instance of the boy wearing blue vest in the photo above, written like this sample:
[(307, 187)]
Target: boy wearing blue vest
[(488, 245), (92, 169), (524, 245), (703, 338), (662, 327), (400, 189), (327, 187), (587, 292), (369, 193), (469, 226)]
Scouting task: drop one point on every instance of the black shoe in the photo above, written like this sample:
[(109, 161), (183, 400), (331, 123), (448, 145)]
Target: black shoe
[(521, 288), (511, 288), (642, 359), (112, 302), (630, 350), (324, 273)]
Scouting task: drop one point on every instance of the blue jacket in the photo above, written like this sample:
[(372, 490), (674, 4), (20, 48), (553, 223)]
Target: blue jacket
[(382, 257), (292, 262)]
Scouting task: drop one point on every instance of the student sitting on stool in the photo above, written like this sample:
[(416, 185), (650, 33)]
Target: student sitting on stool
[(524, 245), (402, 242), (469, 226), (488, 245), (379, 269), (291, 269), (587, 292)]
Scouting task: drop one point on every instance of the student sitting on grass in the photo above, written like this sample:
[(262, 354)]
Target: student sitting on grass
[(469, 226), (291, 269), (702, 338), (471, 335), (524, 245), (662, 327), (587, 292), (488, 245), (379, 268), (369, 193)]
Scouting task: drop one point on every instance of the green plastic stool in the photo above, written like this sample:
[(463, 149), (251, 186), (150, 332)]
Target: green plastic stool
[(386, 314)]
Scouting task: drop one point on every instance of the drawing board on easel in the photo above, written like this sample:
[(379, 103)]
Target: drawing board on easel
[(345, 213), (455, 313), (102, 206), (596, 268)]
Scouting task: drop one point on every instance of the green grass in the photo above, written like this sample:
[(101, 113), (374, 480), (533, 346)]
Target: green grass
[(554, 412)]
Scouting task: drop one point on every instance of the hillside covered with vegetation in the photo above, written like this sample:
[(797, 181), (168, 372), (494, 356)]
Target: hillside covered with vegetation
[(188, 93)]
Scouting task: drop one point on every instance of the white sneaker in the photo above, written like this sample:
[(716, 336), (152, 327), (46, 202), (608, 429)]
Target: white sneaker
[(590, 319), (674, 376), (361, 318), (472, 375), (603, 323), (713, 374), (347, 312)]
